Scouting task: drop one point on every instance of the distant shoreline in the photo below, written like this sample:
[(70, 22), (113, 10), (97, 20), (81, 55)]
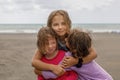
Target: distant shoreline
[(33, 28), (35, 31)]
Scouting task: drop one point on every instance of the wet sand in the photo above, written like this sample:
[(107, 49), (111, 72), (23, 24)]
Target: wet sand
[(16, 51)]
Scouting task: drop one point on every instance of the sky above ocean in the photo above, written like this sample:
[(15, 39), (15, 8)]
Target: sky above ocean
[(80, 11)]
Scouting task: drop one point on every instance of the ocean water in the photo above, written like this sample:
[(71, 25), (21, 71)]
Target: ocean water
[(33, 28)]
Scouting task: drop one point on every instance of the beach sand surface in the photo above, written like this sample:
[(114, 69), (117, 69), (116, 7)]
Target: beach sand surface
[(16, 51)]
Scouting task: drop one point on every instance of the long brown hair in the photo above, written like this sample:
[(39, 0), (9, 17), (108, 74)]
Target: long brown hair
[(42, 38), (79, 42), (59, 12)]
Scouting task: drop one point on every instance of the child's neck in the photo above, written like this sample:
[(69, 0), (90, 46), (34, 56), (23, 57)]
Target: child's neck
[(52, 55), (62, 40)]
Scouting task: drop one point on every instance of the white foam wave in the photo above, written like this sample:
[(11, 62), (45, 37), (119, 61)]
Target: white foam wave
[(105, 31), (35, 31), (18, 31)]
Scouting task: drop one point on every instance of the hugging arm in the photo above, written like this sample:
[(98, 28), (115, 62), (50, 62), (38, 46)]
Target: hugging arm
[(91, 56), (70, 61), (45, 74), (40, 65)]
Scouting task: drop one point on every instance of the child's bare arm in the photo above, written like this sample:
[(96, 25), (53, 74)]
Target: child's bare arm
[(91, 56), (70, 61), (40, 65), (37, 72)]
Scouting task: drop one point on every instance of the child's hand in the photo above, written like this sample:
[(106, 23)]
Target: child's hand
[(58, 70), (69, 61), (37, 72)]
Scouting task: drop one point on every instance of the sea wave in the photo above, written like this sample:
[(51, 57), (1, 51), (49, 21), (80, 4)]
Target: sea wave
[(35, 31), (19, 31), (105, 31)]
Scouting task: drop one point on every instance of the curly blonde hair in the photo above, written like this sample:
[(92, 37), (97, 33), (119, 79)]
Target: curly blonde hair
[(42, 38)]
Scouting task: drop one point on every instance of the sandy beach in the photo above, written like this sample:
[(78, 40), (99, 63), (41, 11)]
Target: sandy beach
[(16, 51)]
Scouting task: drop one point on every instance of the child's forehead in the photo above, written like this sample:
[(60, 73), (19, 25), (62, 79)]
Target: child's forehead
[(58, 17), (50, 36)]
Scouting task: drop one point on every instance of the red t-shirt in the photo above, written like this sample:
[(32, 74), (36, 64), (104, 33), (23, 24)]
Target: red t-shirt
[(68, 75)]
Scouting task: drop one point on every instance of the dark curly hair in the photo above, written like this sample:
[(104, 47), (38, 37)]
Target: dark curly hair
[(79, 43)]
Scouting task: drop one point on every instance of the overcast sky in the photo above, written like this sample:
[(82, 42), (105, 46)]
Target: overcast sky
[(80, 11)]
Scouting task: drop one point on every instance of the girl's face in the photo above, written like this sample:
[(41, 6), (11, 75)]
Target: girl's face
[(51, 46), (59, 25)]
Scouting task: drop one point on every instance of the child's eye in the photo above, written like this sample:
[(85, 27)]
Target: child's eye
[(63, 23), (53, 42), (55, 24)]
